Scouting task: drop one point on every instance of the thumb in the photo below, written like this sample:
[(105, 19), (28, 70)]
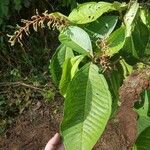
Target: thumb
[(53, 142)]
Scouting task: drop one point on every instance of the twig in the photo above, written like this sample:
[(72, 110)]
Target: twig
[(3, 84)]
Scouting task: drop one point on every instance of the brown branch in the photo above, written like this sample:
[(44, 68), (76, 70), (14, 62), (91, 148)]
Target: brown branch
[(121, 132)]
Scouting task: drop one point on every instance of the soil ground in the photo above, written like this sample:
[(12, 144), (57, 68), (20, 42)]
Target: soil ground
[(41, 120), (37, 124), (34, 127)]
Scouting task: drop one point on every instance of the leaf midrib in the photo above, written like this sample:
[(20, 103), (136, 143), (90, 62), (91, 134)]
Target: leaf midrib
[(85, 106)]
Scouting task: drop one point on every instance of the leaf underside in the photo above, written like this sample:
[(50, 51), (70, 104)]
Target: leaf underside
[(87, 109), (77, 39), (89, 12)]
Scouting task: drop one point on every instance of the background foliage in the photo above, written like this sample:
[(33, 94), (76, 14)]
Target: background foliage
[(24, 70)]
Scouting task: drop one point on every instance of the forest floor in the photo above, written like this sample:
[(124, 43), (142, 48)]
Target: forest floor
[(34, 127), (36, 113), (36, 120)]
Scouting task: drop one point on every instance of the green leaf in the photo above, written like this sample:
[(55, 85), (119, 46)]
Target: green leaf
[(143, 141), (77, 39), (75, 62), (129, 49), (129, 17), (134, 147), (87, 109), (141, 37), (89, 12), (145, 16), (119, 6), (70, 67), (127, 69), (143, 123), (143, 111), (61, 54), (116, 41), (138, 43), (102, 27), (144, 120), (115, 79)]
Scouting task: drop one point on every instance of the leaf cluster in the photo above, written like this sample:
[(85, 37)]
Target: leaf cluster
[(101, 44)]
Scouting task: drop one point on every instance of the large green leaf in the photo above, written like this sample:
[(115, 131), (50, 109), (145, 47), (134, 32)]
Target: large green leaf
[(143, 141), (138, 43), (102, 27), (57, 60), (77, 39), (87, 109), (116, 41), (88, 12), (130, 16), (145, 98), (70, 67)]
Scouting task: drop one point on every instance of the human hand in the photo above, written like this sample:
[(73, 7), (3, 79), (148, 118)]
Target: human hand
[(54, 143)]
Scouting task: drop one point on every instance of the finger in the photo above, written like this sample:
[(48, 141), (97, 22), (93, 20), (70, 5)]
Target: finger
[(61, 147), (53, 142)]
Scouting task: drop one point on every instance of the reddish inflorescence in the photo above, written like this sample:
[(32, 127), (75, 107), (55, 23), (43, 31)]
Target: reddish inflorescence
[(52, 21)]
